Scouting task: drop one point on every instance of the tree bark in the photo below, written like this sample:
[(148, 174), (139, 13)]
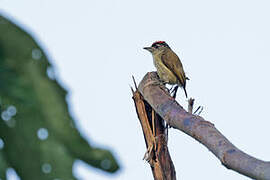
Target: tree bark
[(203, 131)]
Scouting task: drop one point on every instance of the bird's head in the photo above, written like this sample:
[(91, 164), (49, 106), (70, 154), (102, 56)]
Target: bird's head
[(157, 46)]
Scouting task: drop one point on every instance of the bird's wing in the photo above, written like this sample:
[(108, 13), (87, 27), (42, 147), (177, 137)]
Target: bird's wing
[(173, 63)]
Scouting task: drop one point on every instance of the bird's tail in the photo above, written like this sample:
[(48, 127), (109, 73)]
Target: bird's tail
[(185, 91)]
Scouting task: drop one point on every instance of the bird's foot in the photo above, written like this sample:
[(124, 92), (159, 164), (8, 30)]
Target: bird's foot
[(174, 91)]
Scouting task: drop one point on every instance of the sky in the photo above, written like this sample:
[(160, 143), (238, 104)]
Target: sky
[(96, 46)]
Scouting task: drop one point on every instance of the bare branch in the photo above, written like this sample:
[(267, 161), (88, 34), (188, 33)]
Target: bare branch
[(135, 84), (190, 105), (156, 140), (201, 130)]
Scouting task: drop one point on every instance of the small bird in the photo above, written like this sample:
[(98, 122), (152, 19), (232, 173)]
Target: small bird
[(169, 66)]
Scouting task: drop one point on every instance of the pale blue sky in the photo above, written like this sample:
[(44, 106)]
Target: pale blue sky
[(95, 47)]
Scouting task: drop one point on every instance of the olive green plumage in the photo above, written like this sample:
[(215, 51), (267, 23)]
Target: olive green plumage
[(169, 66)]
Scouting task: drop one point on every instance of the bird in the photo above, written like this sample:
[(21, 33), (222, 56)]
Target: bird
[(169, 67)]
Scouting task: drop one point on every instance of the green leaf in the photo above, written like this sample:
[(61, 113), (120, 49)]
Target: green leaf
[(40, 138)]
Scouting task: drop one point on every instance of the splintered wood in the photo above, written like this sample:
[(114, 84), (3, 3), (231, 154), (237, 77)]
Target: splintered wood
[(155, 135)]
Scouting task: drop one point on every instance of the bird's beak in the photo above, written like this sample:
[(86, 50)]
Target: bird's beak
[(150, 49)]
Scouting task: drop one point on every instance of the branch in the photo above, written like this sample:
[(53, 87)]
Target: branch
[(155, 136), (201, 130), (190, 105)]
